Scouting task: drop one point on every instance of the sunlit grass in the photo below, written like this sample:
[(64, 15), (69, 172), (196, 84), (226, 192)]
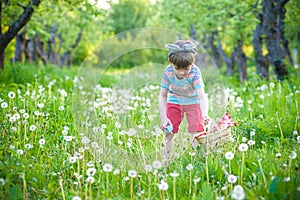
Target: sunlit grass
[(45, 156)]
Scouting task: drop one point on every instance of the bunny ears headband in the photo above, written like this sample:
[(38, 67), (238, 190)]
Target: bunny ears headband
[(173, 48)]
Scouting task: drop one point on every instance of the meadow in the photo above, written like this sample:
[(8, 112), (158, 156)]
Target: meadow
[(49, 152)]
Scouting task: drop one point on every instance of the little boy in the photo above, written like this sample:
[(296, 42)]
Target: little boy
[(182, 91)]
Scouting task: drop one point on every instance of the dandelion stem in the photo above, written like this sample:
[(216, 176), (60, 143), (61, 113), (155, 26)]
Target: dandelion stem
[(174, 188), (131, 188), (62, 188), (190, 189), (206, 168), (281, 133), (242, 169), (24, 187), (262, 172)]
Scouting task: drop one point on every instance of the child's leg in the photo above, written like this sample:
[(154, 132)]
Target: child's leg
[(194, 117), (167, 150)]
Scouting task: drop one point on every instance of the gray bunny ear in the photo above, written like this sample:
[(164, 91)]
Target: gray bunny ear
[(172, 47), (188, 48)]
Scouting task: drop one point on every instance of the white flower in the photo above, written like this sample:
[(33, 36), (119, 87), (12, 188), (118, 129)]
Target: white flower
[(251, 142), (91, 171), (189, 167), (20, 151), (220, 198), (4, 105), (85, 140), (76, 197), (132, 173), (252, 133), (272, 85), (73, 159), (32, 127), (11, 95), (229, 155), (278, 155), (286, 179), (174, 174), (238, 192), (28, 146), (68, 138), (90, 179), (156, 164), (148, 168), (26, 115), (196, 180), (107, 167), (2, 182), (244, 139), (243, 147), (163, 186), (116, 171), (42, 142), (231, 178), (295, 132), (118, 124), (298, 138), (40, 105), (293, 155)]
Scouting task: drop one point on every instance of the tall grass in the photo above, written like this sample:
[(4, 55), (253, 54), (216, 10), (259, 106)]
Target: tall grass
[(44, 156)]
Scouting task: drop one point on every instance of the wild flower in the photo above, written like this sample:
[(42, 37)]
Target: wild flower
[(243, 147), (32, 128), (278, 155), (148, 168), (286, 179), (107, 167), (91, 171), (295, 132), (28, 146), (11, 95), (90, 164), (20, 152), (2, 181), (4, 105), (42, 142), (251, 142), (90, 179), (232, 178), (68, 138), (132, 173), (73, 159), (163, 185), (116, 171), (85, 140), (220, 198), (293, 155), (189, 167), (244, 139), (229, 155), (174, 174), (238, 193), (118, 124), (40, 105), (196, 180), (272, 85), (64, 132), (25, 115), (156, 164)]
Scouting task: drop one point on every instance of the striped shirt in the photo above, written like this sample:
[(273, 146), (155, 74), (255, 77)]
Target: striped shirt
[(182, 91)]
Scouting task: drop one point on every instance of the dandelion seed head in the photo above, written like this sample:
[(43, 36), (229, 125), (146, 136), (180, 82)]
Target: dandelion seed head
[(229, 155), (132, 173), (174, 174), (189, 167), (163, 185), (11, 95), (278, 155), (20, 152), (295, 132), (243, 147), (107, 167), (232, 179), (293, 155), (156, 164), (91, 171), (90, 179), (148, 168)]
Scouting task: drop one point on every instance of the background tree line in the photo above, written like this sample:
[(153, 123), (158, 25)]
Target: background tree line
[(236, 33)]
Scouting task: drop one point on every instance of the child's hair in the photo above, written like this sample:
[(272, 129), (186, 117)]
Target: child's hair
[(183, 58)]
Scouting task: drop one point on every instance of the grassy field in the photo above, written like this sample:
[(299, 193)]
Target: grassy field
[(51, 149)]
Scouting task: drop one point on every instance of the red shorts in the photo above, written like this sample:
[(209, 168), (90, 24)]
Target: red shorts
[(175, 113)]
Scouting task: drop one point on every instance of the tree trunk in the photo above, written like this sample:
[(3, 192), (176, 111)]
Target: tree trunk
[(284, 41), (5, 38), (228, 61), (32, 54), (1, 51), (41, 50), (262, 68), (52, 54), (241, 62), (20, 47), (270, 26), (214, 50)]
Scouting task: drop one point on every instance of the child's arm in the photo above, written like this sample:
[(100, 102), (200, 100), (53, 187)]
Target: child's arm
[(203, 103), (162, 100)]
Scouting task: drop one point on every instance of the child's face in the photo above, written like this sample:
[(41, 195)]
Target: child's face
[(182, 72)]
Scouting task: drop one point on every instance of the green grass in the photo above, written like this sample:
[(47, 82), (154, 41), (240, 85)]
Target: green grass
[(39, 159)]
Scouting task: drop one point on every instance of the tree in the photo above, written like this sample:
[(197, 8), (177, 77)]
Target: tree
[(15, 27)]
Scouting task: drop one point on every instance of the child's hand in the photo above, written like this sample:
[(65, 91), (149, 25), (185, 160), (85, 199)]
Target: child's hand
[(206, 120), (165, 123)]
